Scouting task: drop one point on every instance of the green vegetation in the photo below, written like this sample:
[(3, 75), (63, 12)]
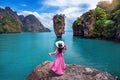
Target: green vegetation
[(63, 15), (106, 19), (8, 24), (58, 20)]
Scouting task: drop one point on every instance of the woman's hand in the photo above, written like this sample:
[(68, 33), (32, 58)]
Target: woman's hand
[(53, 53), (65, 47), (49, 54)]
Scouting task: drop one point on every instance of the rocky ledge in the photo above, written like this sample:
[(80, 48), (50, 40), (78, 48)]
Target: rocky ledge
[(72, 72)]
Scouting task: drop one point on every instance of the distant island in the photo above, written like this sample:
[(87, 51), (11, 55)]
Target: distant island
[(10, 22), (103, 22)]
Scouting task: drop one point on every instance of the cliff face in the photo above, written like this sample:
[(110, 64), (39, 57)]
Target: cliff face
[(72, 72), (32, 24), (84, 26), (103, 22), (9, 21), (59, 24)]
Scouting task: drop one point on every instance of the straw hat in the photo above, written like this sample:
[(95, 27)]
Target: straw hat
[(60, 44)]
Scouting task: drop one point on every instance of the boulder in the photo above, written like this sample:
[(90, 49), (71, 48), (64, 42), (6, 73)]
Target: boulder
[(72, 72)]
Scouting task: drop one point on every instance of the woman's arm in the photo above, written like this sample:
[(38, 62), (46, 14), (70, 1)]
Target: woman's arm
[(52, 53), (65, 47)]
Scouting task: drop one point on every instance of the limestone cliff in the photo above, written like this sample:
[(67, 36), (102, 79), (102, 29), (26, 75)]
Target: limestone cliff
[(32, 24), (103, 22), (59, 25), (9, 21), (84, 26), (72, 72)]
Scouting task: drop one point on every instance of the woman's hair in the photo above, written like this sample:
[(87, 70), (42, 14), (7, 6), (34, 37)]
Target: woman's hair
[(59, 48)]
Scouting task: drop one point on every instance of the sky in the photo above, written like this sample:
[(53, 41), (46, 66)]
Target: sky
[(44, 10)]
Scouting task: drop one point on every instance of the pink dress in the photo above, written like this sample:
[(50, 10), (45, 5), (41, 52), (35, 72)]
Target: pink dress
[(58, 65)]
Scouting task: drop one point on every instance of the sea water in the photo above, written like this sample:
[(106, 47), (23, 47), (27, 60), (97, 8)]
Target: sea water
[(20, 53)]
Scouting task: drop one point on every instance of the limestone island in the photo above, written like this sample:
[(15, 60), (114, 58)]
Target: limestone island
[(72, 72), (59, 24)]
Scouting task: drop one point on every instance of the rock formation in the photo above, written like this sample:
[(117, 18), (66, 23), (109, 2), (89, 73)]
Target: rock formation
[(118, 34), (59, 23), (103, 22), (84, 28), (72, 72), (32, 24), (9, 21)]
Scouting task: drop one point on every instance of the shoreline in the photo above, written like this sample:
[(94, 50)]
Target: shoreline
[(99, 38)]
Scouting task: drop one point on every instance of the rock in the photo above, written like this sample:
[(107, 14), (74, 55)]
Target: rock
[(21, 17), (9, 21), (13, 14), (84, 27), (32, 24), (92, 24), (59, 23), (118, 34), (72, 72)]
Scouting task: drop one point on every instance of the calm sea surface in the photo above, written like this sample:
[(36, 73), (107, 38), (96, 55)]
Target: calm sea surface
[(20, 53)]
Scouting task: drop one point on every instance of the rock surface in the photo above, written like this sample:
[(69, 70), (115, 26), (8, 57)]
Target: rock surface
[(85, 27), (118, 34), (32, 24), (59, 23), (103, 22), (9, 21), (72, 72)]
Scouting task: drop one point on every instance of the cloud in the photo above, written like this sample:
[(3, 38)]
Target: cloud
[(23, 5), (1, 7), (72, 9), (71, 14), (64, 3)]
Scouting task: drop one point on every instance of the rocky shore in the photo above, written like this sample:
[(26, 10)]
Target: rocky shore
[(72, 72)]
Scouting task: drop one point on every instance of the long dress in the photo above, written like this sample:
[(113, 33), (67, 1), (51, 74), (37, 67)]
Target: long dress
[(58, 66)]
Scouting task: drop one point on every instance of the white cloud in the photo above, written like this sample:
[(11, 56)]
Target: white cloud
[(24, 5), (46, 19), (71, 14), (71, 8), (64, 3), (1, 7)]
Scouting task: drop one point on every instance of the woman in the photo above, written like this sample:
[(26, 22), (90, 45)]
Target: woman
[(58, 65)]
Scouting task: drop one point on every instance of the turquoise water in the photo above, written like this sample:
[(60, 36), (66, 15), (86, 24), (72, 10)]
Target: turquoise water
[(20, 53)]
